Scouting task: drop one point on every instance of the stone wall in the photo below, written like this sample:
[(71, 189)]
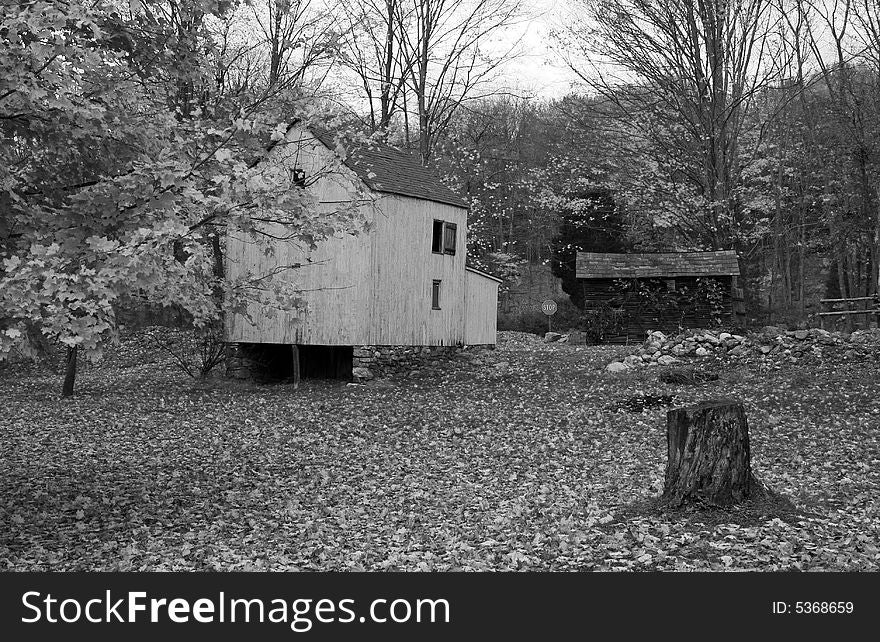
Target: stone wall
[(770, 346), (242, 362), (379, 361), (247, 361)]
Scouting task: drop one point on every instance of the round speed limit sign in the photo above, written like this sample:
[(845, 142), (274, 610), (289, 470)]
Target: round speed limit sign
[(548, 307)]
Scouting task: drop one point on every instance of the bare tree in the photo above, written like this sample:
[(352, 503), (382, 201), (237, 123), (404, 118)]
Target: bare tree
[(297, 38), (685, 73), (235, 56), (844, 38), (443, 44), (371, 51), (425, 57)]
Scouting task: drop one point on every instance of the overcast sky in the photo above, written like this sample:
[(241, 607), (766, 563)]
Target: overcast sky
[(539, 71)]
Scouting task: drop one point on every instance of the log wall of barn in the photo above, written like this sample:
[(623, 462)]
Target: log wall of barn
[(641, 318)]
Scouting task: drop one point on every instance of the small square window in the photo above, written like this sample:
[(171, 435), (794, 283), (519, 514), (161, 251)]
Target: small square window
[(449, 238), (437, 238), (435, 295)]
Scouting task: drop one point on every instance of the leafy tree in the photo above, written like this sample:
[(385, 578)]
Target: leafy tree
[(121, 172), (590, 223)]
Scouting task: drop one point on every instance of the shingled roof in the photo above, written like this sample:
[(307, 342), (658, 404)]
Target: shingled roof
[(393, 171), (593, 265)]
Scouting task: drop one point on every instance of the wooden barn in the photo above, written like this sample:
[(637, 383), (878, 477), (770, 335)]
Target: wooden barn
[(399, 289), (629, 295)]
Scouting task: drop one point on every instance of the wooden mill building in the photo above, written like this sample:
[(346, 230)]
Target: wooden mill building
[(647, 292), (404, 282)]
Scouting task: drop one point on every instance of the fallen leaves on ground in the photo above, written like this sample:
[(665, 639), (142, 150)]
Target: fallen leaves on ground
[(464, 466)]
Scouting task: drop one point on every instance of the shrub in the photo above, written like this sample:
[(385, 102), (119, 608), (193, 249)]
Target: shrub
[(196, 352), (523, 321), (597, 323), (567, 317), (602, 322)]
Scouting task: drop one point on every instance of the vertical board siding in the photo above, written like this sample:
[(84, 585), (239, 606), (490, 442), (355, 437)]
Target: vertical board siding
[(404, 268), (333, 279), (481, 309), (333, 287), (373, 288)]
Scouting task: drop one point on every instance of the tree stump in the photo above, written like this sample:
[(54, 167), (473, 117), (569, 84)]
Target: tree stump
[(708, 455)]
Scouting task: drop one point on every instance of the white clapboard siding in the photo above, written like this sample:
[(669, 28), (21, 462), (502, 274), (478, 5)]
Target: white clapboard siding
[(481, 309), (374, 288)]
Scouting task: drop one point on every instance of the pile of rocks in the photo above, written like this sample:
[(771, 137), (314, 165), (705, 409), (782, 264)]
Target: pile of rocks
[(513, 339), (662, 350), (865, 337), (771, 343), (574, 337)]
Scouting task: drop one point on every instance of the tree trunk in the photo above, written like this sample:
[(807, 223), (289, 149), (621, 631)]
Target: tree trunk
[(386, 104), (802, 241), (295, 367), (708, 450), (70, 372)]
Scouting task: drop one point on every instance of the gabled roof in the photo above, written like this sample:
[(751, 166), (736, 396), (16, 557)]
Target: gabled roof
[(393, 171), (594, 265)]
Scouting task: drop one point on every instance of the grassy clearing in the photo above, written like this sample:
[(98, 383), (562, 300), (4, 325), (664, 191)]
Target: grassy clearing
[(459, 467)]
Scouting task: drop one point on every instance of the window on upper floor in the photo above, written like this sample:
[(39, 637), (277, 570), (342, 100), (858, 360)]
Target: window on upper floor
[(443, 237), (437, 238), (450, 230)]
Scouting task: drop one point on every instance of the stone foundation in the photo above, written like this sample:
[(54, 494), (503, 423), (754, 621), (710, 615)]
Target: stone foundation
[(380, 361), (242, 362), (247, 361)]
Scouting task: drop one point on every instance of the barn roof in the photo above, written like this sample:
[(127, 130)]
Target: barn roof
[(393, 171), (468, 268), (594, 265)]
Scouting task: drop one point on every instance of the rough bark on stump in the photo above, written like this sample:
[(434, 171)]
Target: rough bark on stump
[(708, 455)]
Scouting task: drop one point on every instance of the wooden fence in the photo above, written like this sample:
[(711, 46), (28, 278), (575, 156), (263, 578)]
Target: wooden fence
[(870, 305)]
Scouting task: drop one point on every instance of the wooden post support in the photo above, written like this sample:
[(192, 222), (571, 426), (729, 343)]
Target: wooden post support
[(294, 350), (708, 455)]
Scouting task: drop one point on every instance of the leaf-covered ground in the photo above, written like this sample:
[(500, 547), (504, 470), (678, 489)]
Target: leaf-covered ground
[(457, 467)]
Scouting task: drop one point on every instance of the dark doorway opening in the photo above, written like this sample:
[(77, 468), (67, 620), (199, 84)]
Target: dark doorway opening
[(274, 362), (325, 362), (271, 361)]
